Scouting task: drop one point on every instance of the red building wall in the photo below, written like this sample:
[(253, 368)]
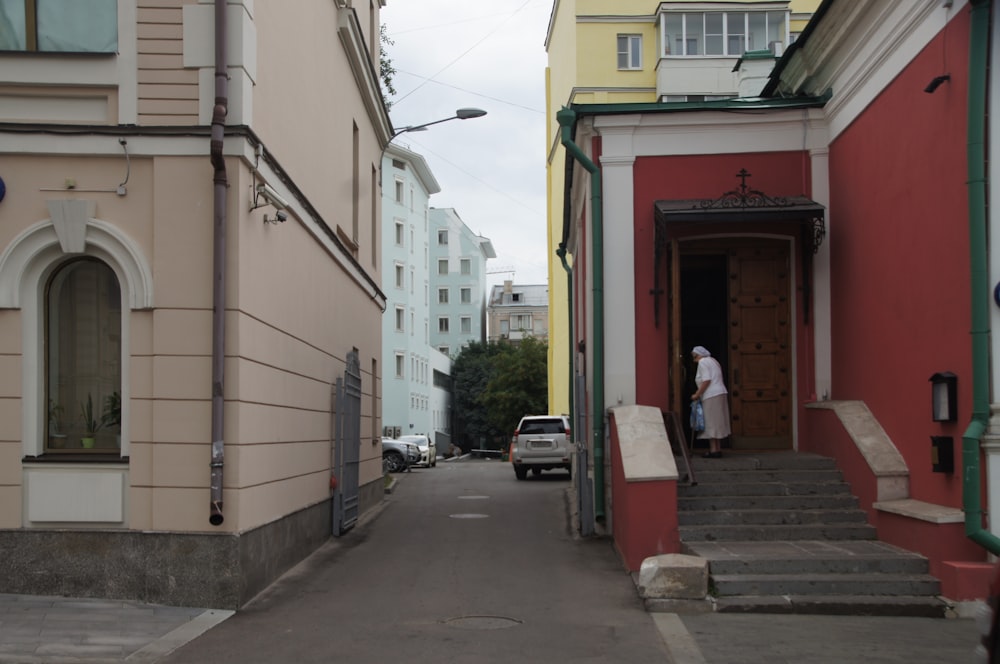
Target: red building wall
[(900, 257), (700, 177)]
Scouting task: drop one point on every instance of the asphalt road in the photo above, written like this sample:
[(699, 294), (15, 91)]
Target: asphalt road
[(463, 563)]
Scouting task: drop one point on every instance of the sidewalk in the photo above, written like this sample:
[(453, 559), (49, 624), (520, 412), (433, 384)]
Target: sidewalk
[(62, 630), (738, 638)]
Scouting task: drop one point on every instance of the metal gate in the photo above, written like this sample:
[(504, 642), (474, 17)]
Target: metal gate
[(346, 422)]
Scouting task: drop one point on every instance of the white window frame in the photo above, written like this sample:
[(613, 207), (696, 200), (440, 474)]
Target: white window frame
[(399, 191), (400, 365), (442, 236), (443, 266), (629, 52), (465, 265), (466, 296), (400, 272), (400, 233), (444, 325), (443, 295), (466, 324), (400, 319)]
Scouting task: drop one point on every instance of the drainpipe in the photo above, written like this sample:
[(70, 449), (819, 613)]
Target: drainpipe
[(567, 118), (221, 184), (978, 84)]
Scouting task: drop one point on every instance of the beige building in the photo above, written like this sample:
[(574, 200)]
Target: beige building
[(190, 299), (515, 312)]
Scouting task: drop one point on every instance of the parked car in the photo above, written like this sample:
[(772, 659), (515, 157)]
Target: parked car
[(540, 442), (428, 449), (398, 455)]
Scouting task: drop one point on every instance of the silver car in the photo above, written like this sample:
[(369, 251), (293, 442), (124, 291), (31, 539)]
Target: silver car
[(428, 450), (541, 442), (398, 456)]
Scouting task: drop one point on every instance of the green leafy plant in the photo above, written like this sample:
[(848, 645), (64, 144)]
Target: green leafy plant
[(55, 415), (91, 425), (112, 415)]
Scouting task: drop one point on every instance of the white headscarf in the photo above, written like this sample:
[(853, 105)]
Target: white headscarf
[(701, 351)]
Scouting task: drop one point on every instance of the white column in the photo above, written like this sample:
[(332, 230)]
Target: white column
[(820, 309), (617, 160)]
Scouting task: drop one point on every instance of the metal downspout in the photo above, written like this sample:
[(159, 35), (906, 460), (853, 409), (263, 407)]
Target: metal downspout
[(567, 118), (221, 184), (971, 490)]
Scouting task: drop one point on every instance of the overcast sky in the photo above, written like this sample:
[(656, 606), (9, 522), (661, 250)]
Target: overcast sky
[(450, 54)]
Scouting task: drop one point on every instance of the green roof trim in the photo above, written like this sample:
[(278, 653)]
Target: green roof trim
[(734, 104)]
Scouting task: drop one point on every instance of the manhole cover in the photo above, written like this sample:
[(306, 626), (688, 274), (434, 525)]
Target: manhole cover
[(468, 516), (482, 622), (473, 497)]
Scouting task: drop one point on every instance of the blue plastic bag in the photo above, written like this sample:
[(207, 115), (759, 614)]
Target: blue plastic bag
[(697, 416)]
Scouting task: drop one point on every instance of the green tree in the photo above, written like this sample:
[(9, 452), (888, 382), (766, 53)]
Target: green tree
[(518, 386), (471, 373), (385, 69)]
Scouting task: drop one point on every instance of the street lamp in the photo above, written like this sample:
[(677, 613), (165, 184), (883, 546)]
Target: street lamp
[(460, 114)]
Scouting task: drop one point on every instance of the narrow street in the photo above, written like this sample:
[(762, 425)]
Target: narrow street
[(463, 563)]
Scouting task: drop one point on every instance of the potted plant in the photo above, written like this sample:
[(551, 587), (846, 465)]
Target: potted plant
[(112, 414), (56, 439), (91, 425)]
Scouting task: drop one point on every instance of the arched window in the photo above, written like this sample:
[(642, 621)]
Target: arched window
[(83, 342)]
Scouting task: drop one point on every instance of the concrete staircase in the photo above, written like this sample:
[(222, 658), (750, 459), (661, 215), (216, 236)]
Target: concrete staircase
[(783, 534)]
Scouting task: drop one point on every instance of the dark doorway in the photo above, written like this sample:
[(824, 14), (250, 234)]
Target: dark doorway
[(704, 310)]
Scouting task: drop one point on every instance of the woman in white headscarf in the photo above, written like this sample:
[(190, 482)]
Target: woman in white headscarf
[(714, 401)]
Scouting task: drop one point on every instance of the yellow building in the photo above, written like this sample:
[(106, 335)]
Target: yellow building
[(632, 51)]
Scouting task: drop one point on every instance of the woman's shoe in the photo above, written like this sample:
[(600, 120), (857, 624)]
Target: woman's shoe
[(712, 455)]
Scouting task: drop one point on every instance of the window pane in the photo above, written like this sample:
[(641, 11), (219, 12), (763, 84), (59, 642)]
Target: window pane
[(713, 33), (622, 51), (674, 28), (757, 39), (83, 357), (736, 32), (466, 266), (78, 25), (12, 26), (775, 28), (635, 48), (695, 33)]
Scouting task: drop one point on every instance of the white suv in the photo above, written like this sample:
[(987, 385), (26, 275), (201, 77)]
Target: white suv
[(541, 442)]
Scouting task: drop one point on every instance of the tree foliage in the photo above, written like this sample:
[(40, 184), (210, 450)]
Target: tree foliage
[(519, 385), (386, 71), (494, 385)]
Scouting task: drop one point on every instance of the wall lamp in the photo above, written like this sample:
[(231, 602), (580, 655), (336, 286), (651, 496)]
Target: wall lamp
[(936, 83), (460, 114)]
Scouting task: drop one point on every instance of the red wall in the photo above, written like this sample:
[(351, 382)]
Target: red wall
[(701, 177), (900, 257)]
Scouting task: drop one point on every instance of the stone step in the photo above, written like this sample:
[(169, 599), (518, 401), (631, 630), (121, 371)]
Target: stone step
[(770, 502), (769, 517), (763, 461), (801, 557), (751, 488), (837, 605), (790, 475), (871, 583), (824, 531)]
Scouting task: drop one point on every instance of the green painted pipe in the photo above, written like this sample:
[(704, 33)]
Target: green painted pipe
[(567, 118), (978, 84)]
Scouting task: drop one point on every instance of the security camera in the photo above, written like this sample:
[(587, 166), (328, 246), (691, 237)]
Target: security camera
[(273, 197), (282, 216)]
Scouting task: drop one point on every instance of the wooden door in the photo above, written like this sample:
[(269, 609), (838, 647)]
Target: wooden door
[(760, 347)]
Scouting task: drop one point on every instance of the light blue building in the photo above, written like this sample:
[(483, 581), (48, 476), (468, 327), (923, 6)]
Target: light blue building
[(408, 393), (458, 282)]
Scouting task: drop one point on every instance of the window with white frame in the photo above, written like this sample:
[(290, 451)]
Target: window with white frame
[(442, 296), (400, 233), (83, 330), (442, 266), (465, 265), (723, 33), (520, 322), (466, 325), (400, 275), (629, 51), (445, 349), (443, 324), (400, 319), (400, 365), (398, 195), (48, 26), (466, 295), (442, 236)]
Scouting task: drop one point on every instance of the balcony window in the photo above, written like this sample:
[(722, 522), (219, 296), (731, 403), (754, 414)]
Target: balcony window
[(59, 26), (728, 34)]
